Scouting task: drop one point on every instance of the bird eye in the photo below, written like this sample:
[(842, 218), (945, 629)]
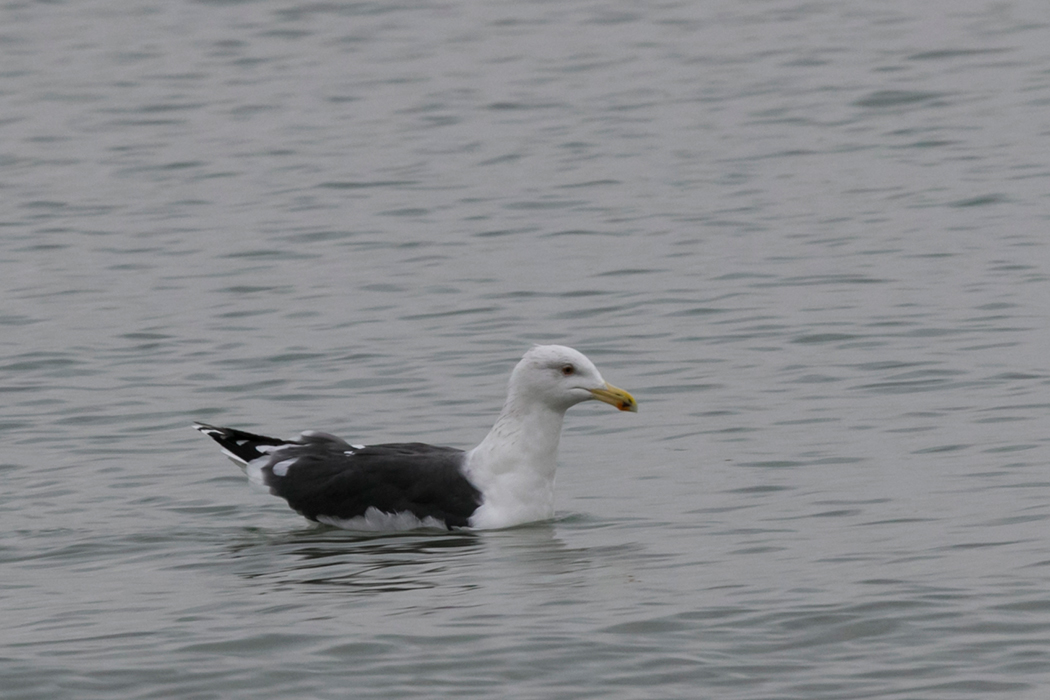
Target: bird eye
[(568, 370)]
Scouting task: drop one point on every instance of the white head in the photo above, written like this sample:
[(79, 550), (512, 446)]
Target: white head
[(560, 377)]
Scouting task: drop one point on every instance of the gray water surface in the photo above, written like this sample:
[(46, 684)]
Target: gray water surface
[(810, 237)]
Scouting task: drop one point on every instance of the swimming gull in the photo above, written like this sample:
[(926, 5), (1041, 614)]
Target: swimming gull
[(507, 480)]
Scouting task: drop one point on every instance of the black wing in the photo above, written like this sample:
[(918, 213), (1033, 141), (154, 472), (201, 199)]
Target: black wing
[(320, 475), (423, 480)]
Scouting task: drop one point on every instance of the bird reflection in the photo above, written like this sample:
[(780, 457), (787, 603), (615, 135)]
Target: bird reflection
[(322, 558)]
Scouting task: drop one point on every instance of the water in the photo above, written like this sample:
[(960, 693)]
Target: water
[(809, 237)]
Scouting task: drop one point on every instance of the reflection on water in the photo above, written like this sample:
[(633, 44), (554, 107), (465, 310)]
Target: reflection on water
[(322, 556), (384, 563)]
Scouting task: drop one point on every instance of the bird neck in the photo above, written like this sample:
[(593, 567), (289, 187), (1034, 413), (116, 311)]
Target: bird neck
[(514, 465), (524, 439)]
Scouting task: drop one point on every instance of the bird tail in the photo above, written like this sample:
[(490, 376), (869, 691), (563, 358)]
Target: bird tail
[(240, 446)]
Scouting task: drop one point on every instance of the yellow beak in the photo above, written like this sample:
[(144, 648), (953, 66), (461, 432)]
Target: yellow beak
[(616, 396)]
